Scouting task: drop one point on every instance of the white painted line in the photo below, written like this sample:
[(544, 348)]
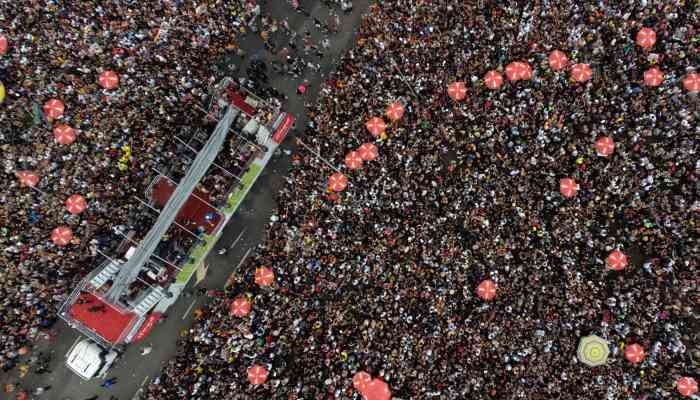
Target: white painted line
[(238, 238), (145, 378), (244, 257), (188, 309)]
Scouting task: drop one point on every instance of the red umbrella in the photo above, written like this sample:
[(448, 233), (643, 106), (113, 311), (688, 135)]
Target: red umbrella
[(27, 178), (375, 126), (64, 134), (76, 204), (368, 151), (22, 396), (361, 380), (62, 235), (646, 38), (3, 44), (108, 79), (377, 390), (568, 187), (394, 111), (634, 353), (240, 307), (264, 276), (605, 146), (257, 375), (558, 60), (513, 71), (457, 91), (524, 71), (493, 79), (353, 160), (617, 260), (581, 72), (54, 108), (653, 77), (337, 182), (692, 82), (687, 386), (486, 289)]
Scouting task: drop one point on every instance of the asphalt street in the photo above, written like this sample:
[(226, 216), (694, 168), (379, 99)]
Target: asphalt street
[(240, 236)]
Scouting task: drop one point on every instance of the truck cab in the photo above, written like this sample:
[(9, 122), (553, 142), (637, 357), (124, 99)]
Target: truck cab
[(88, 360)]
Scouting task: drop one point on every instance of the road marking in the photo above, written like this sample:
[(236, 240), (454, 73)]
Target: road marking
[(145, 378), (238, 238), (244, 257), (189, 308)]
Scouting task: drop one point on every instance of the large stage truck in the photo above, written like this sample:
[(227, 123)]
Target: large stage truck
[(123, 298)]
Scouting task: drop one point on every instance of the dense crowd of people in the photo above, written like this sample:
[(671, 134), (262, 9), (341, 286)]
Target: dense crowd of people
[(381, 277), (163, 54)]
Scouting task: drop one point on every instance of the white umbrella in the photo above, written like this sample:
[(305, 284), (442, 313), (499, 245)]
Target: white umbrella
[(593, 351)]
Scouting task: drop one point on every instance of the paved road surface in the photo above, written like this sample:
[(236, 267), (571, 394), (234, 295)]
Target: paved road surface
[(133, 370)]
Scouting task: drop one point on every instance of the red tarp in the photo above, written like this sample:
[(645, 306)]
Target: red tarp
[(283, 129), (194, 212), (237, 100), (108, 323), (147, 327)]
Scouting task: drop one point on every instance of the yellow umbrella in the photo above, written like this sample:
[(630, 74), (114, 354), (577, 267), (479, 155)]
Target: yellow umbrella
[(2, 92), (593, 351)]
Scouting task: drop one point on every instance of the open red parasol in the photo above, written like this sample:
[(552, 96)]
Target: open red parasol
[(240, 307), (653, 77), (513, 71), (457, 91), (486, 289), (377, 390), (264, 276), (524, 71), (3, 44), (376, 126), (691, 82), (353, 160), (54, 108), (394, 111), (361, 380), (257, 375), (646, 38), (568, 187), (64, 134), (368, 151), (76, 204), (337, 182), (558, 60), (493, 80), (62, 235), (27, 178), (617, 260), (687, 386), (634, 353), (108, 79), (581, 72), (604, 146)]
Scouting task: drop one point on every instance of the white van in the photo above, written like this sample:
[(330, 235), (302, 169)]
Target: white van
[(88, 360)]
